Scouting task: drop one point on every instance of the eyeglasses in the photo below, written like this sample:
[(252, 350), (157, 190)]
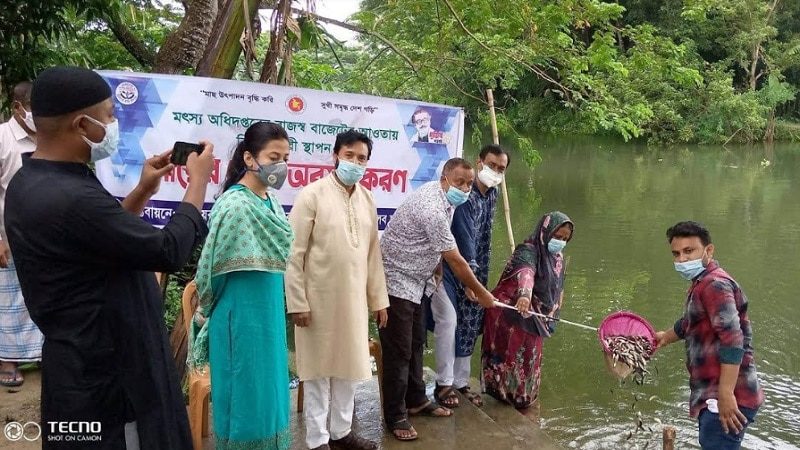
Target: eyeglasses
[(422, 121)]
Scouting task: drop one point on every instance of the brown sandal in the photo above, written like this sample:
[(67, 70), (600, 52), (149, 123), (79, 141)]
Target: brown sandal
[(403, 425), (430, 410), (352, 442), (446, 396), (473, 397)]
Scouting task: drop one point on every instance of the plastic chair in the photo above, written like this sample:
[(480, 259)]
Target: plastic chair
[(376, 352), (199, 381)]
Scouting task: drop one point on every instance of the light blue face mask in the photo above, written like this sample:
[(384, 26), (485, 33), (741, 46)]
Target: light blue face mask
[(689, 270), (106, 147), (349, 174), (556, 245), (456, 196)]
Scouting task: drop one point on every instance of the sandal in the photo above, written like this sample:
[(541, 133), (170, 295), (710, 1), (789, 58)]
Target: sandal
[(429, 410), (13, 378), (473, 397), (446, 396), (403, 425)]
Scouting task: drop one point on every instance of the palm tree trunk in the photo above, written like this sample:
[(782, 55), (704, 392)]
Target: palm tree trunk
[(224, 46), (184, 48)]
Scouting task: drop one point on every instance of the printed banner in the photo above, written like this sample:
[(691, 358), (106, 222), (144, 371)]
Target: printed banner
[(411, 140)]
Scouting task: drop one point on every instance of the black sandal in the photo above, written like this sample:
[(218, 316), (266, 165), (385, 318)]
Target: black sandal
[(446, 396), (429, 410), (404, 425), (472, 397)]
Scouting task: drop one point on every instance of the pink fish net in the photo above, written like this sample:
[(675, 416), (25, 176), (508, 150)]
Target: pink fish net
[(625, 323)]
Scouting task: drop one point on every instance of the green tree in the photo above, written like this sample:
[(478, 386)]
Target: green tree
[(719, 71), (25, 29), (751, 38), (589, 66)]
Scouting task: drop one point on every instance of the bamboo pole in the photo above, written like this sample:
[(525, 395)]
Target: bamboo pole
[(668, 438), (496, 140)]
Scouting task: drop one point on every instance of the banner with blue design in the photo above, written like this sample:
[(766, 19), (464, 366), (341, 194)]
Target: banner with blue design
[(411, 140)]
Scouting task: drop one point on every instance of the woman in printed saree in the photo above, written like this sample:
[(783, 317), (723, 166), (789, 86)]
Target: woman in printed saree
[(240, 330), (533, 282)]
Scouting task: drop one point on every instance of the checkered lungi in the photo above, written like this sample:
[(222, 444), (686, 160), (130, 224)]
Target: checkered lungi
[(20, 339)]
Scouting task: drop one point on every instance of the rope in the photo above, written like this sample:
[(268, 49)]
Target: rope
[(579, 325)]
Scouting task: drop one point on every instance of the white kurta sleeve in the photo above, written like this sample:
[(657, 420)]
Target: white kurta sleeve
[(377, 296), (301, 218), (10, 162)]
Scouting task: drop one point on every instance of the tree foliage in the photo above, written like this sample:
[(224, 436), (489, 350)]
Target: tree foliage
[(672, 71), (26, 29), (662, 70)]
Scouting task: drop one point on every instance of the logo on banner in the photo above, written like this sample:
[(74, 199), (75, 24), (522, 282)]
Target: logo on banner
[(296, 104), (127, 93)]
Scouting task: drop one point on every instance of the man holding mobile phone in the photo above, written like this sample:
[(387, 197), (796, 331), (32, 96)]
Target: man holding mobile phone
[(182, 150), (85, 264)]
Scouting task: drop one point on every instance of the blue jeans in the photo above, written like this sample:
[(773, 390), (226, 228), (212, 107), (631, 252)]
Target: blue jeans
[(713, 437)]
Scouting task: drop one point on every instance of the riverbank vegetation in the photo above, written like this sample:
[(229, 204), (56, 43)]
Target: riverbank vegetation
[(668, 71)]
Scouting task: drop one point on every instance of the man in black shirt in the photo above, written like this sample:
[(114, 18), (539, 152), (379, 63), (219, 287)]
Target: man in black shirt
[(86, 263)]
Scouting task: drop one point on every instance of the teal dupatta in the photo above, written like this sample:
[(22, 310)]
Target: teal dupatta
[(245, 234)]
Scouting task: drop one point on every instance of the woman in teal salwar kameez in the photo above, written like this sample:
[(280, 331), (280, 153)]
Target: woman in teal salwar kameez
[(240, 328)]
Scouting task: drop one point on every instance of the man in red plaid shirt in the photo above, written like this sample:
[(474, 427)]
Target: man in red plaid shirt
[(725, 392)]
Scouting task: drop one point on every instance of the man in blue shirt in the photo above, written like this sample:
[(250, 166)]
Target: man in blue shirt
[(458, 320)]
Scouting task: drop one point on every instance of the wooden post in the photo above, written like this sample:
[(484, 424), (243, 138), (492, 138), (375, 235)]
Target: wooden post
[(496, 140), (668, 438), (376, 351), (300, 397)]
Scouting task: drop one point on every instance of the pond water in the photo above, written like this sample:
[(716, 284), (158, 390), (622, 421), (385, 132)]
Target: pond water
[(622, 198)]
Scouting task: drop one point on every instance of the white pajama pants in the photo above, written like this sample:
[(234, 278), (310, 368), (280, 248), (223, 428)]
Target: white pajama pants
[(444, 334), (462, 371), (321, 397)]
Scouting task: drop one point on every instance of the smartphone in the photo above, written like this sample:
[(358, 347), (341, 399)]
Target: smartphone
[(181, 152)]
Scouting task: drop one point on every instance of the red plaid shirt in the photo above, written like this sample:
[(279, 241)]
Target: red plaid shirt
[(717, 331)]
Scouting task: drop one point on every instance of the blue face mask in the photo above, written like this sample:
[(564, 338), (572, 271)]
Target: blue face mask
[(556, 245), (349, 174), (456, 196), (690, 269)]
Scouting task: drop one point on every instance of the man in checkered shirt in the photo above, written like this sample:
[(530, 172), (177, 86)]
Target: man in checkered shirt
[(725, 391)]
